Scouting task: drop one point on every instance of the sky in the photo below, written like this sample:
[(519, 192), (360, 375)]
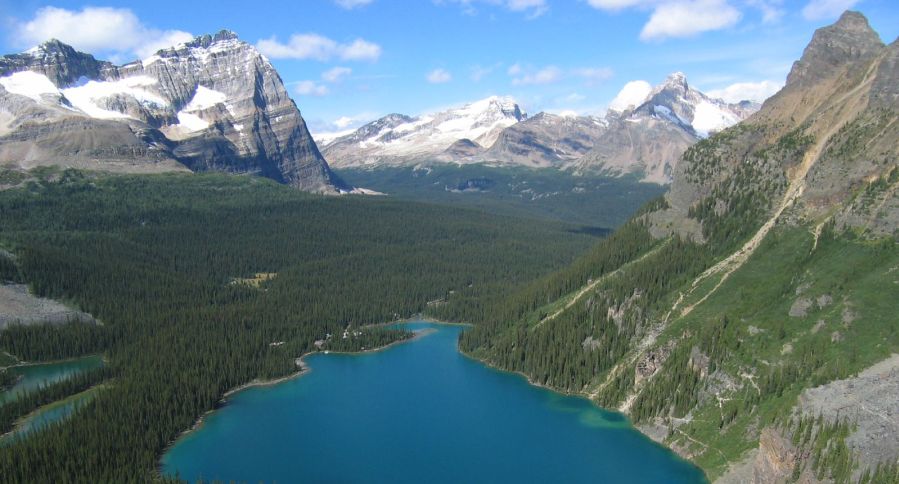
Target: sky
[(347, 62)]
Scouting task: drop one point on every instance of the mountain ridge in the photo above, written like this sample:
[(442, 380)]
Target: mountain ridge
[(646, 139), (213, 103)]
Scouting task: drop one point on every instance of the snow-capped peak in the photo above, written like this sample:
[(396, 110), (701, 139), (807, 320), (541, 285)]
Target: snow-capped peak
[(401, 137), (675, 101)]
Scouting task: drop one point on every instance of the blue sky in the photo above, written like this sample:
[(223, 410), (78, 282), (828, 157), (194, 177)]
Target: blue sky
[(351, 61)]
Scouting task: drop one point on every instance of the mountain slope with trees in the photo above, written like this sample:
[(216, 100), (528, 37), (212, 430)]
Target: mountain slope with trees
[(766, 270)]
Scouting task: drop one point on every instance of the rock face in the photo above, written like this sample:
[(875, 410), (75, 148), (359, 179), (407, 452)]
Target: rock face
[(214, 103), (546, 140), (849, 40)]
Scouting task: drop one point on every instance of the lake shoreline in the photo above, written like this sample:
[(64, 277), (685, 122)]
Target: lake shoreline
[(642, 429), (304, 368), (430, 356)]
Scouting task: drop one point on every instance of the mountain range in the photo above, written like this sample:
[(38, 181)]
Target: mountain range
[(643, 139), (214, 103)]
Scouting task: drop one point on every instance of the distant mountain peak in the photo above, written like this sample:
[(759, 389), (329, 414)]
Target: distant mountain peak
[(848, 40), (397, 139)]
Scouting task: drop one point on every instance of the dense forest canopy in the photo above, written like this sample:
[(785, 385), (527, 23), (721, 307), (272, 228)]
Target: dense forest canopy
[(203, 283)]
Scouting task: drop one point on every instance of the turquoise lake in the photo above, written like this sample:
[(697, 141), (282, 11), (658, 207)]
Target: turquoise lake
[(417, 412), (35, 376)]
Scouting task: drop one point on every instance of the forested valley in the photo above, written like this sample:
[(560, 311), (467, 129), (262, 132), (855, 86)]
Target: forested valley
[(202, 283)]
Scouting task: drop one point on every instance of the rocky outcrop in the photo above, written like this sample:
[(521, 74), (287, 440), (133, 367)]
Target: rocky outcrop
[(214, 103), (546, 140), (776, 458), (848, 41)]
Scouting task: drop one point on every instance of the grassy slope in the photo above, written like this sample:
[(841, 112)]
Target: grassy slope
[(859, 276)]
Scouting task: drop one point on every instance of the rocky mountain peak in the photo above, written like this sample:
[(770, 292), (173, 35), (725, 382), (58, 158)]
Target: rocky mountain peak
[(213, 103), (849, 40), (505, 106), (207, 40), (676, 80), (60, 62)]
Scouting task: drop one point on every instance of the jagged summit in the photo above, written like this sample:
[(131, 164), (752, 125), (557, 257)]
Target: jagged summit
[(60, 62), (213, 103), (850, 39), (207, 40)]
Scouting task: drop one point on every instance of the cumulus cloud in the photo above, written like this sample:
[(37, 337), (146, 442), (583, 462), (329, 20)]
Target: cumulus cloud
[(336, 74), (594, 75), (310, 88), (688, 18), (826, 9), (439, 76), (747, 91), (684, 18), (320, 48), (631, 95), (546, 75), (97, 29), (351, 4)]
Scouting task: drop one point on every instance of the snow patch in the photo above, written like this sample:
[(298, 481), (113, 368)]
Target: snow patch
[(709, 117), (191, 122), (205, 98), (85, 94), (29, 84)]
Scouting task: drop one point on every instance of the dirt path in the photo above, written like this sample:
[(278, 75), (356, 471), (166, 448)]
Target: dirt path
[(795, 189), (589, 287)]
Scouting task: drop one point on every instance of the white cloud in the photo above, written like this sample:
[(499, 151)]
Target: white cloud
[(328, 129), (310, 88), (514, 70), (826, 9), (747, 91), (97, 29), (439, 76), (684, 18), (547, 75), (351, 4), (689, 17), (319, 47), (336, 74), (360, 50), (594, 75), (771, 10), (479, 72), (631, 95), (617, 4)]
